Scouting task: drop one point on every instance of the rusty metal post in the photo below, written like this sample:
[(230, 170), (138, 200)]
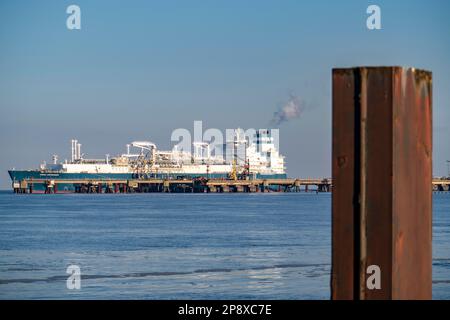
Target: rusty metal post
[(382, 172)]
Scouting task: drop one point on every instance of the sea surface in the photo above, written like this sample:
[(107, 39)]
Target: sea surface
[(180, 246)]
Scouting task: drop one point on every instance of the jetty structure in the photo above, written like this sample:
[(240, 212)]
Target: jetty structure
[(246, 162)]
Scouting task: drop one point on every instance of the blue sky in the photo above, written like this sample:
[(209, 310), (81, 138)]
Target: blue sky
[(139, 69)]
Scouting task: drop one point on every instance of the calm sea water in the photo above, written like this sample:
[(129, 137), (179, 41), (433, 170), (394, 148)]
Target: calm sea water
[(179, 246)]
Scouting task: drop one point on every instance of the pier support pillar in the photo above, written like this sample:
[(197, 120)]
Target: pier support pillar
[(23, 186), (382, 172), (166, 186), (265, 186)]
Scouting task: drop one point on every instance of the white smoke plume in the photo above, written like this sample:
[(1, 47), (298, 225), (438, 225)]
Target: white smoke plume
[(291, 110)]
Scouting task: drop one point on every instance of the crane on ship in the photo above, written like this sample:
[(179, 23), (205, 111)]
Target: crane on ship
[(145, 160), (233, 173)]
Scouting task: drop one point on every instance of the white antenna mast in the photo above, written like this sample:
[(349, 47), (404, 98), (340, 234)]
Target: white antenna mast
[(74, 149)]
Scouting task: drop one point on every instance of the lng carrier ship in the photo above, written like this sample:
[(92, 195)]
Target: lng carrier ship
[(254, 156)]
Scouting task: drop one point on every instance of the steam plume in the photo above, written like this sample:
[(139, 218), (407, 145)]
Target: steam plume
[(291, 110)]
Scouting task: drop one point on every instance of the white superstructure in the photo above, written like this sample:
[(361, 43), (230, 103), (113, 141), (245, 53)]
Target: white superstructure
[(253, 153)]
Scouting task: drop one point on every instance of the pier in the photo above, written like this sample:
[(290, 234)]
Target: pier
[(441, 185), (198, 185)]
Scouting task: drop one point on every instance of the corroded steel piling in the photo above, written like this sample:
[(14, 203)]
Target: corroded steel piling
[(382, 172)]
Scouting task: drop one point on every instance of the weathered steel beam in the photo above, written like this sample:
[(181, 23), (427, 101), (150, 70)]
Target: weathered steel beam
[(382, 172)]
